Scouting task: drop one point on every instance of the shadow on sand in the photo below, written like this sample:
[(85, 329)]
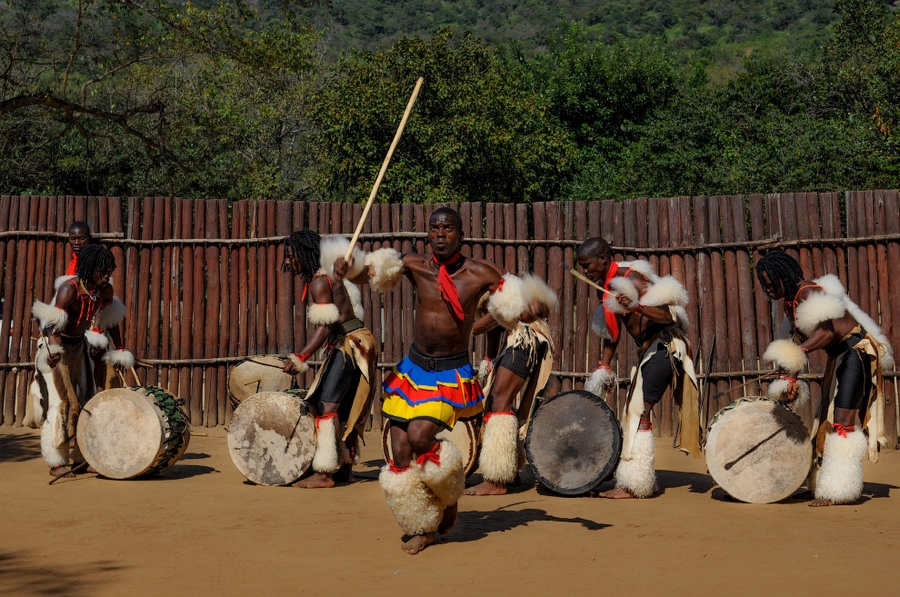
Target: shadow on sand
[(25, 574), (477, 524), (19, 448)]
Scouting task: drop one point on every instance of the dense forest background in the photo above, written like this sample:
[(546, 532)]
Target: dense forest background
[(523, 101)]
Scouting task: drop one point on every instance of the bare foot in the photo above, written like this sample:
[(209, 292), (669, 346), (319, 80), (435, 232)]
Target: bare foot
[(616, 494), (448, 519), (486, 488), (315, 481), (820, 502), (60, 471), (417, 543)]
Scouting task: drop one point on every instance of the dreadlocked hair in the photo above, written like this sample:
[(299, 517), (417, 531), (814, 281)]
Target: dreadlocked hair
[(94, 258), (781, 267), (305, 245)]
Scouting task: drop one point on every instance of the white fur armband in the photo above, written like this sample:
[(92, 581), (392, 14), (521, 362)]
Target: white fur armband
[(322, 314), (119, 356), (667, 291), (778, 390), (600, 378), (786, 355), (388, 266), (111, 315), (818, 308), (50, 317), (299, 366), (507, 302), (333, 247), (97, 339), (44, 350), (535, 289)]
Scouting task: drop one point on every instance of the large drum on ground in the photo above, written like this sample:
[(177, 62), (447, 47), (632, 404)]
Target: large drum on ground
[(758, 450), (464, 436), (258, 374), (129, 432), (573, 442), (272, 438)]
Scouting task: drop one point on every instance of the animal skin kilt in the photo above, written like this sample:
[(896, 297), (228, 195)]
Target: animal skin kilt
[(635, 471), (59, 393), (502, 452), (357, 346)]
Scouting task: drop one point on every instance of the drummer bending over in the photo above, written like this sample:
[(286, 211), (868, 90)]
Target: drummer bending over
[(435, 384), (520, 371), (652, 310), (74, 323), (822, 317), (341, 393)]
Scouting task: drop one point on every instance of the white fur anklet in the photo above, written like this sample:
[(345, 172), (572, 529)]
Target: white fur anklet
[(53, 454), (416, 509), (499, 458), (445, 478), (637, 476), (325, 459), (840, 478)]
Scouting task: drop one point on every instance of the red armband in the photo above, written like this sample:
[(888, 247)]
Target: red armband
[(788, 379), (600, 365), (302, 357), (121, 347)]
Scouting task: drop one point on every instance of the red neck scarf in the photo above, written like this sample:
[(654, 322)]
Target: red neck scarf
[(72, 269), (612, 324), (447, 286)]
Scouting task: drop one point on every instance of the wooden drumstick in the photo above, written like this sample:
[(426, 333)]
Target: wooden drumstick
[(387, 159), (71, 472), (744, 385), (589, 282)]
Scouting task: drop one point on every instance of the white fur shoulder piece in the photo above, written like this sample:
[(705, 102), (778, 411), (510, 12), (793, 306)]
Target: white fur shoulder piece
[(818, 308), (111, 315), (388, 265), (508, 303), (333, 247), (533, 288), (59, 281), (620, 285), (786, 355), (50, 316), (665, 291), (831, 284), (322, 314), (641, 266)]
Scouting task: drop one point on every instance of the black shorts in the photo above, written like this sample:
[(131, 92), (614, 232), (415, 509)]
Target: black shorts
[(339, 380), (657, 375), (516, 360)]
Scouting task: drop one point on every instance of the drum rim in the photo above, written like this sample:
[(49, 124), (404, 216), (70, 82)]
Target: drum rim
[(232, 449), (141, 397), (610, 468), (250, 359), (731, 407)]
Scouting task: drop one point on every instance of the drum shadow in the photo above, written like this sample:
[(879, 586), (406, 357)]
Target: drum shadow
[(25, 574), (194, 456), (877, 490), (19, 448), (181, 471), (696, 482), (474, 525)]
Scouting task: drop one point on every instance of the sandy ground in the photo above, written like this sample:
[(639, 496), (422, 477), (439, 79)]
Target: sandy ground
[(201, 530)]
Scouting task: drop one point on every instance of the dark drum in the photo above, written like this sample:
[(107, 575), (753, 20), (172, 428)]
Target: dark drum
[(573, 442)]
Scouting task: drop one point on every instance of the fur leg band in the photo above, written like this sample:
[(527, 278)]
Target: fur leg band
[(416, 509), (786, 355), (53, 454), (388, 266), (637, 476), (326, 458), (119, 356), (840, 478), (499, 458), (442, 471)]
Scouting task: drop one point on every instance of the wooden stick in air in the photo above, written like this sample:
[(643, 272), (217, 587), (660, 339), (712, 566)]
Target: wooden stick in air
[(387, 159), (589, 282)]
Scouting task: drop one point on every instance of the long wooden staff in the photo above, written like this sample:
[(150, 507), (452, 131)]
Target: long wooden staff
[(387, 159), (589, 282)]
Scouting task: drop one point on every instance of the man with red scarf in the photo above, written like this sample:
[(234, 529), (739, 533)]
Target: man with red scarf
[(435, 385), (651, 309)]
